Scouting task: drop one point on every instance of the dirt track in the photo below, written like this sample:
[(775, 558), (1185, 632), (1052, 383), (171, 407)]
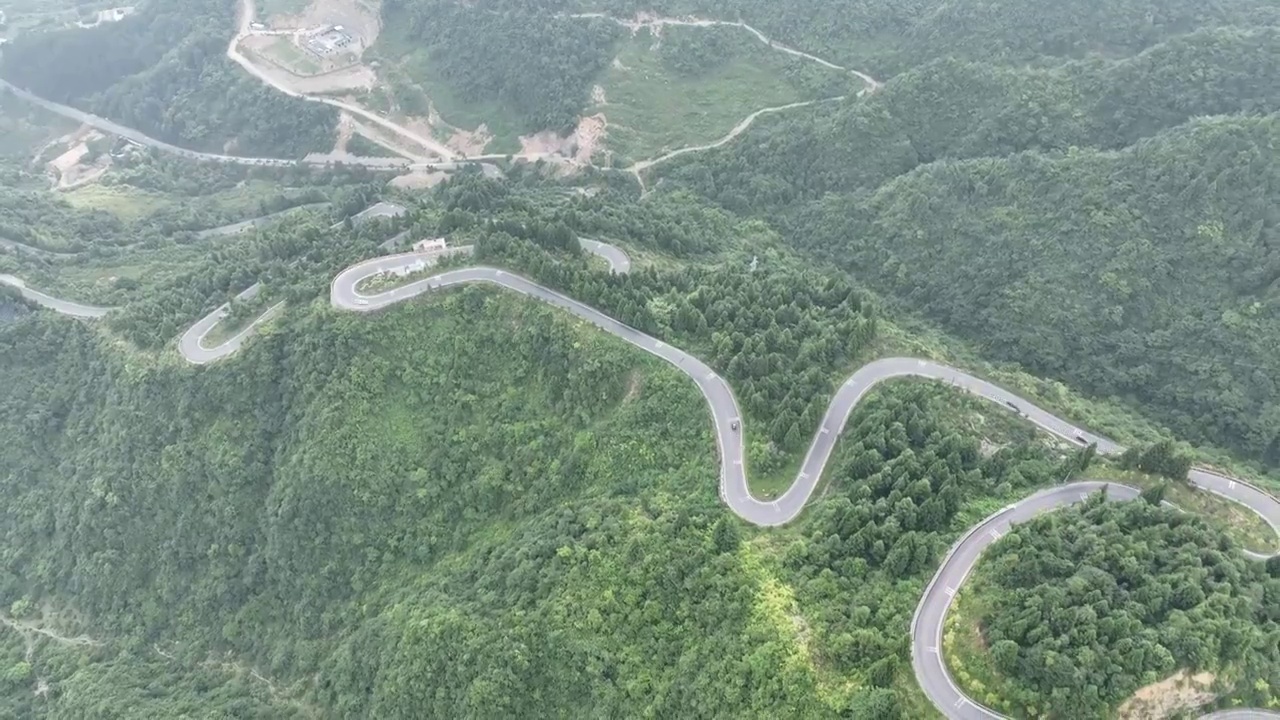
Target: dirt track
[(246, 13)]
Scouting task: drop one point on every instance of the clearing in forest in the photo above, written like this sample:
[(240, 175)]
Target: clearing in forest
[(689, 86)]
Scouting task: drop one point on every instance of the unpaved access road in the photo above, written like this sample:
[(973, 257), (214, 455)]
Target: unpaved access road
[(246, 14), (655, 21)]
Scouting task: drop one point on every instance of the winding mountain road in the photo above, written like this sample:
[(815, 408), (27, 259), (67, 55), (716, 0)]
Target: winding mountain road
[(58, 305), (192, 343), (929, 620)]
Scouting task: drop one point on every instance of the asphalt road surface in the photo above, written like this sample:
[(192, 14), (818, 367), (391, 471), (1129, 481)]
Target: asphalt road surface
[(192, 343), (66, 307), (929, 620), (618, 260), (928, 623)]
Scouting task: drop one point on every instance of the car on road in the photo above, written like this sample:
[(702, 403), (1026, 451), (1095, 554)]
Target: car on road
[(734, 425), (361, 301)]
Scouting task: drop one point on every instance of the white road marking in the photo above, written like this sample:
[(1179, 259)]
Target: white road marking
[(961, 701), (659, 346), (825, 431), (933, 650), (995, 534), (1231, 485), (951, 592)]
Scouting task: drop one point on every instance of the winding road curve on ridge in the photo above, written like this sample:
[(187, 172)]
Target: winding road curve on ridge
[(929, 620)]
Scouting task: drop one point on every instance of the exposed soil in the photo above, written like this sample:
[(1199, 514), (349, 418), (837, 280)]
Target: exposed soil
[(419, 179), (471, 142), (70, 170), (578, 148), (361, 19), (1163, 699), (546, 142), (589, 136), (345, 129)]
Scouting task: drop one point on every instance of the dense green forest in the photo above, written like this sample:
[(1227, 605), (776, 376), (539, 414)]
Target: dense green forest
[(886, 38), (1081, 219), (163, 71), (1083, 606), (392, 520), (383, 517), (954, 109), (1148, 274)]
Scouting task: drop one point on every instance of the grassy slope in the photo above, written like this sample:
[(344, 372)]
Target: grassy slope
[(131, 203), (651, 109)]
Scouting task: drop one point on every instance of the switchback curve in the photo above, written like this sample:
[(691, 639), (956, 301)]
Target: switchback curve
[(929, 622), (927, 660)]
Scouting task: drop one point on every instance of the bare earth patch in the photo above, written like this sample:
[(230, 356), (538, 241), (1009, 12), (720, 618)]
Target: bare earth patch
[(589, 136), (359, 18), (471, 142), (419, 179), (345, 129), (70, 170), (578, 148), (1161, 700)]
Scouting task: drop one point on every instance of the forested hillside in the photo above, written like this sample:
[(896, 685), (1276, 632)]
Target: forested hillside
[(886, 38), (1075, 622), (163, 71), (1150, 273), (473, 506), (1080, 218), (395, 521)]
